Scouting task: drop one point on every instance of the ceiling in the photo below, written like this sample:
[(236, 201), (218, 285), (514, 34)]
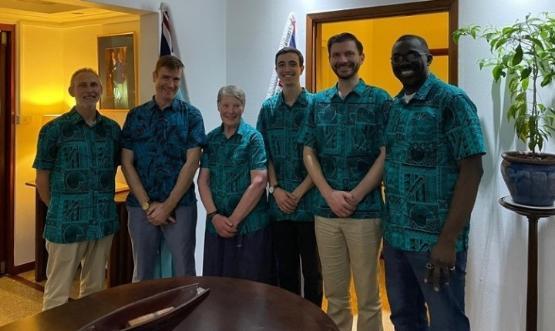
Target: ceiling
[(58, 12)]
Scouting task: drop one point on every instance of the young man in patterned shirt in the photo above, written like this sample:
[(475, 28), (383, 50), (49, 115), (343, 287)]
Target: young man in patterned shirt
[(280, 120), (344, 154)]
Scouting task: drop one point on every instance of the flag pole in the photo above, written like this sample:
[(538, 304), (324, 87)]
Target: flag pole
[(287, 39)]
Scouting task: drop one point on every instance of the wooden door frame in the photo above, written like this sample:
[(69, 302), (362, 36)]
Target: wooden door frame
[(9, 117), (414, 8)]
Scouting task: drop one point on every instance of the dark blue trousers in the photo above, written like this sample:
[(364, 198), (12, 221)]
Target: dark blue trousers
[(247, 256)]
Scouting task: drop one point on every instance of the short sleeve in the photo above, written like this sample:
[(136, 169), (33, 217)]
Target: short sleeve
[(205, 153), (47, 148), (382, 108), (257, 152), (126, 138), (307, 135), (262, 127), (197, 135), (462, 127), (117, 143)]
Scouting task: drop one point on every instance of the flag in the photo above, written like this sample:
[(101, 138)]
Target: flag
[(168, 46), (287, 39)]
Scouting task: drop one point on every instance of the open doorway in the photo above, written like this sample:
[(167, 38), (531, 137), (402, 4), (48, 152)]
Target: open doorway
[(378, 28), (7, 129)]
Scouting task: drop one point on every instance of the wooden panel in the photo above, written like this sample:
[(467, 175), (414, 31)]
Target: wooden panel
[(7, 143)]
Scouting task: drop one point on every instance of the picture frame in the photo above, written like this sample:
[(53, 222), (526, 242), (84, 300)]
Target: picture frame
[(116, 69)]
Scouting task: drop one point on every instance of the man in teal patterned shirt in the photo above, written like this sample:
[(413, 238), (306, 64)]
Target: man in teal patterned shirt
[(161, 148), (232, 183), (433, 168), (344, 155), (280, 121), (76, 161)]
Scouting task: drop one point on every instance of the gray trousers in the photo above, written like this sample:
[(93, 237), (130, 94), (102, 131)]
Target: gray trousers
[(179, 238)]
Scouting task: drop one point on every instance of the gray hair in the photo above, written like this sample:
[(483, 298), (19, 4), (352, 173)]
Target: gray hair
[(232, 91), (80, 71)]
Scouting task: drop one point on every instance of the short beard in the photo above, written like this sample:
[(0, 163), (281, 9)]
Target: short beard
[(356, 67)]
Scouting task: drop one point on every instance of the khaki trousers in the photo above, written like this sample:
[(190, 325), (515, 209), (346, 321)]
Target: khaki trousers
[(63, 261), (346, 246)]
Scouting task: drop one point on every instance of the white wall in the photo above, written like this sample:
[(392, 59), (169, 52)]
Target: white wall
[(499, 238)]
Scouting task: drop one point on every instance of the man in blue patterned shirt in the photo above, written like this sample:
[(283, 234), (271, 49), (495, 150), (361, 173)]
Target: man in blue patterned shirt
[(76, 162), (433, 168), (161, 147), (280, 121), (344, 155)]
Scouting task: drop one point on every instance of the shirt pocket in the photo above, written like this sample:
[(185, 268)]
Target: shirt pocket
[(423, 136), (240, 156), (327, 130), (176, 144), (364, 133)]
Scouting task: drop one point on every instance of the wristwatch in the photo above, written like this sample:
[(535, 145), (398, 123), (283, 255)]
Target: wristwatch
[(145, 205), (271, 188)]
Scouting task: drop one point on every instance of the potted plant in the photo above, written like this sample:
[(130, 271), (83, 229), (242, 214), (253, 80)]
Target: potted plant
[(524, 55)]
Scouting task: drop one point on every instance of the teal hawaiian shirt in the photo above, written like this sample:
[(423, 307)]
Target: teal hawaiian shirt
[(280, 126), (230, 161), (82, 161), (424, 140), (159, 140), (346, 135)]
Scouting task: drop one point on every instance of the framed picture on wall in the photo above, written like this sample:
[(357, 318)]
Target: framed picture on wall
[(116, 68)]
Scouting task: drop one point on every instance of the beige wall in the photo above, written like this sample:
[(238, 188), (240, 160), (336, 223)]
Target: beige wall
[(46, 59)]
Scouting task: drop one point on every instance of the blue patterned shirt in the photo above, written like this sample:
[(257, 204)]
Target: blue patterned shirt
[(280, 126), (159, 140), (82, 161), (230, 161), (424, 140), (346, 135)]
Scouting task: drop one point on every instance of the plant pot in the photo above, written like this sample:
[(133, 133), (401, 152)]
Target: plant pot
[(530, 177)]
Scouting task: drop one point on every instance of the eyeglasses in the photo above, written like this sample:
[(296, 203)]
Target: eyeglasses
[(411, 56)]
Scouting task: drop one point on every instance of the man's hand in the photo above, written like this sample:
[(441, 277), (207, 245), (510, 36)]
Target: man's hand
[(286, 201), (354, 199), (339, 203), (442, 263), (224, 227), (159, 213)]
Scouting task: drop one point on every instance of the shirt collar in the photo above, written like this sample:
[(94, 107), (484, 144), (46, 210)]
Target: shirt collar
[(76, 118), (152, 105), (423, 91), (301, 99), (358, 89), (241, 130)]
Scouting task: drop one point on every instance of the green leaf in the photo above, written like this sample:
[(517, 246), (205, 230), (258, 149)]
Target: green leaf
[(497, 72), (547, 79), (517, 58), (525, 83), (525, 73)]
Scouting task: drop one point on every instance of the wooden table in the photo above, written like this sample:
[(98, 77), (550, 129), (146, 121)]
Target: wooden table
[(232, 304), (533, 214), (120, 266)]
